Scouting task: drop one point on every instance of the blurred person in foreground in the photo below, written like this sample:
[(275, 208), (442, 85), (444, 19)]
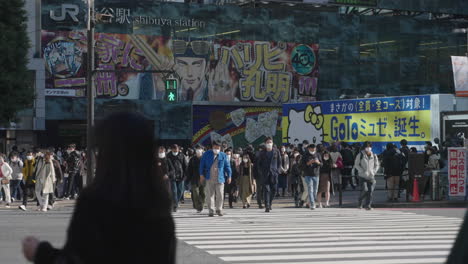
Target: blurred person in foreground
[(124, 204)]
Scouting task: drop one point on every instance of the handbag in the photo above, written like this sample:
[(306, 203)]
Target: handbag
[(5, 181), (339, 163)]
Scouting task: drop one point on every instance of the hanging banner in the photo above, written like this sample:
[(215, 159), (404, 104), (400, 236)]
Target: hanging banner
[(457, 171), (378, 120), (460, 75), (236, 126)]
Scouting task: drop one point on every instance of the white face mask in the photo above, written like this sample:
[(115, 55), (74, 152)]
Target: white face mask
[(175, 153), (246, 160), (14, 159), (368, 149), (311, 152), (199, 152), (216, 151), (428, 152), (326, 158), (269, 145), (162, 155), (283, 150), (296, 154), (228, 157), (29, 157), (69, 151)]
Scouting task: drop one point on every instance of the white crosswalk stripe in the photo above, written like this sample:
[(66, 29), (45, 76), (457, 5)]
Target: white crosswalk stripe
[(328, 236)]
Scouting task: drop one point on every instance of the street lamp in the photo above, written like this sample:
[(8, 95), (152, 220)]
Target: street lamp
[(90, 94)]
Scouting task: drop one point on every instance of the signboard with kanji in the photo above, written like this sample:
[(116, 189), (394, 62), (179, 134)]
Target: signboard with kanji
[(457, 171)]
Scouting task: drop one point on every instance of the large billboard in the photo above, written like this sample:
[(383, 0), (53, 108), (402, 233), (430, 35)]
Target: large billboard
[(235, 126), (207, 70), (378, 120)]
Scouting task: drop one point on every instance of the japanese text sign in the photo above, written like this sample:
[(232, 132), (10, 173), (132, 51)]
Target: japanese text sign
[(378, 120), (457, 171)]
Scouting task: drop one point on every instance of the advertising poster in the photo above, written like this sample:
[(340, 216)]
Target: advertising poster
[(236, 126), (206, 70), (64, 54), (378, 120), (457, 171)]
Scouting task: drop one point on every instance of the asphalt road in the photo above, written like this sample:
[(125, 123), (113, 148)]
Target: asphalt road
[(193, 245)]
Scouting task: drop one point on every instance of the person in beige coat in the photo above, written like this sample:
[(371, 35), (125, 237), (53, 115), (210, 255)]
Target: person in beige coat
[(5, 177), (45, 180), (246, 187)]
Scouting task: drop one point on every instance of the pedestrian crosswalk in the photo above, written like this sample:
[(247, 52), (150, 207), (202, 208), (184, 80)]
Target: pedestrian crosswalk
[(328, 236)]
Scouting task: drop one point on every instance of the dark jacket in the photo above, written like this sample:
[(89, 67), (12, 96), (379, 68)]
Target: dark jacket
[(177, 167), (162, 167), (236, 173), (313, 169), (392, 163), (193, 171), (58, 170), (109, 234), (269, 166), (73, 163)]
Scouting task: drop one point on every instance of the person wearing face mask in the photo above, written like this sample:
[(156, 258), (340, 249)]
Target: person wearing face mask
[(325, 181), (73, 161), (162, 168), (16, 165), (27, 184), (246, 187), (45, 180), (177, 172), (367, 164), (232, 188), (311, 164), (284, 169), (269, 166), (193, 177), (296, 178), (5, 177), (215, 170), (431, 165)]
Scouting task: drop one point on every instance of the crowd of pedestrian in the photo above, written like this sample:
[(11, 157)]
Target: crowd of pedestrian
[(310, 174), (41, 175)]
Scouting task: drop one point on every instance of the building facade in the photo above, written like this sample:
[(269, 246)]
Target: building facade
[(232, 57)]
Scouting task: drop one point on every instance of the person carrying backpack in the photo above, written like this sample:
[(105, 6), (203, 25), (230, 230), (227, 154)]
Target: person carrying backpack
[(367, 164), (393, 163)]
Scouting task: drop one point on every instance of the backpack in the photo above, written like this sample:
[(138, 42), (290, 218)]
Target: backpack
[(397, 162)]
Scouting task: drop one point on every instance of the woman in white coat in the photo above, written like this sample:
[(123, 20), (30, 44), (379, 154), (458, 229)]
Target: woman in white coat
[(45, 179), (5, 177)]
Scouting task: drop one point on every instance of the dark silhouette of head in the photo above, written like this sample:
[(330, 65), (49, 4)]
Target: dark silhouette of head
[(124, 167)]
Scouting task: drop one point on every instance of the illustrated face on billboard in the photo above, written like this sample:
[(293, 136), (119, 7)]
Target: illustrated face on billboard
[(306, 125), (191, 72)]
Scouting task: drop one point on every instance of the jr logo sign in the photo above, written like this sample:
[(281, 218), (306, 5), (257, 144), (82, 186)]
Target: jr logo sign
[(70, 9)]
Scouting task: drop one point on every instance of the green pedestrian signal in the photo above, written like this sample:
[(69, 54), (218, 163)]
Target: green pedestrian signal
[(171, 97), (171, 90)]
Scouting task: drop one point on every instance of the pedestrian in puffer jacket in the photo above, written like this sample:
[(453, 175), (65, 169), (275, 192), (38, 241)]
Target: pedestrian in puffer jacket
[(178, 168)]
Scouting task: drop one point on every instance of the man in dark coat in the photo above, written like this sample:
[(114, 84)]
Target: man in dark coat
[(178, 168), (193, 177), (269, 163)]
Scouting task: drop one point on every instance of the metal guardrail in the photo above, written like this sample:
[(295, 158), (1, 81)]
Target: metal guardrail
[(439, 185)]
